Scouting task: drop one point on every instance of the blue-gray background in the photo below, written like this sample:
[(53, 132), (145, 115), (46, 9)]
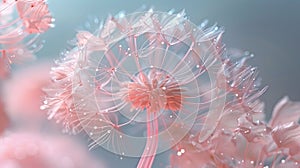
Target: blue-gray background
[(267, 28)]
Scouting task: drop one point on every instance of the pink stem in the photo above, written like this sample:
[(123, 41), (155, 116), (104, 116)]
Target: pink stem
[(148, 155)]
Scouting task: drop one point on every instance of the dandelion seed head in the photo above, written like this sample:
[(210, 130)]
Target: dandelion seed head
[(136, 69)]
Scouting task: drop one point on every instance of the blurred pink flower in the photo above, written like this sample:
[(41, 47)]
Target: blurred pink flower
[(30, 150), (35, 15), (21, 23), (23, 92)]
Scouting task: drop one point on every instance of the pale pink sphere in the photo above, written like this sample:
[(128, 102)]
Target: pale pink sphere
[(30, 150), (23, 92)]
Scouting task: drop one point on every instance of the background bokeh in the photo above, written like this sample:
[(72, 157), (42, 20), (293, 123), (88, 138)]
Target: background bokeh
[(269, 29)]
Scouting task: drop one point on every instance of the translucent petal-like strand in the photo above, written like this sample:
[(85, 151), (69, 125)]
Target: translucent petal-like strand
[(288, 136), (285, 111), (149, 153)]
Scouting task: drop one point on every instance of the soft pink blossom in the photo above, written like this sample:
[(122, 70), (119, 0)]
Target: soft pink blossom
[(23, 92)]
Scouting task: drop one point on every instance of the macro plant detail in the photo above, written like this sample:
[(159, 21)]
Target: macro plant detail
[(138, 85)]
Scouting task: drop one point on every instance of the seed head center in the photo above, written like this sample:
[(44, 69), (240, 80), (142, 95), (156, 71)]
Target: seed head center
[(154, 92)]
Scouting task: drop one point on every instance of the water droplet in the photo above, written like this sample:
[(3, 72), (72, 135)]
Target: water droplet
[(43, 107)]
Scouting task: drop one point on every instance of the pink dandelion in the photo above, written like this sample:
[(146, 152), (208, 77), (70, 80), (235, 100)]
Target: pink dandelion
[(31, 150), (21, 22), (136, 84)]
